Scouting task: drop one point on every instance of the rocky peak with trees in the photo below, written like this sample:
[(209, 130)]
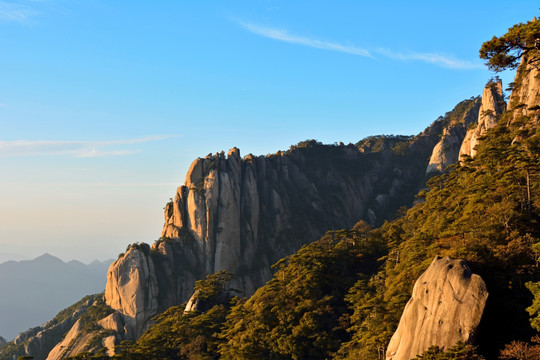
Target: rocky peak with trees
[(341, 296)]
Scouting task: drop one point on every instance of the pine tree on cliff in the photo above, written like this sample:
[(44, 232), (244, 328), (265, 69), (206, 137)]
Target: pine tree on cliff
[(505, 52)]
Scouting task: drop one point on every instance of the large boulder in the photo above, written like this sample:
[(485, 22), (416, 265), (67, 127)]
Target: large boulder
[(446, 306)]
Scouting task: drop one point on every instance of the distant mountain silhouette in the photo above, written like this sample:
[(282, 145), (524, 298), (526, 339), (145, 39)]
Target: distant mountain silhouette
[(33, 291), (7, 256)]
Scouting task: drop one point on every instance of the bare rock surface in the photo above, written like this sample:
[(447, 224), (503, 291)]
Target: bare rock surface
[(112, 322), (61, 349), (446, 306), (525, 99), (132, 289), (492, 107), (446, 152)]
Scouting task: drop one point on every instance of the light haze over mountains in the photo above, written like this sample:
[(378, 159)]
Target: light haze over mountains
[(34, 291)]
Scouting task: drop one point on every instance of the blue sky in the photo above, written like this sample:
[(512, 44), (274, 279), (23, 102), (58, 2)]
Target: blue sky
[(104, 104)]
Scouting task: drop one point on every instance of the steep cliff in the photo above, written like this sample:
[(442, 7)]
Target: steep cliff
[(525, 99), (457, 121), (492, 107), (132, 289), (446, 306), (244, 214)]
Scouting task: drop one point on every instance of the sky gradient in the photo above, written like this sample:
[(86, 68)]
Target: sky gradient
[(104, 104)]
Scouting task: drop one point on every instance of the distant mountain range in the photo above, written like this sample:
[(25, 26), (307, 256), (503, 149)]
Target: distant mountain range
[(33, 291)]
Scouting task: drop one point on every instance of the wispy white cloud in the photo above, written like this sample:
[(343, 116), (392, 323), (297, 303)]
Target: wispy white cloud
[(431, 58), (283, 35), (82, 149), (16, 11)]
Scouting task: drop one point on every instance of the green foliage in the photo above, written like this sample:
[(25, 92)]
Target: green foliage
[(302, 313), (505, 52), (145, 248), (534, 309), (213, 285), (460, 351), (179, 335), (68, 312), (308, 143), (384, 142), (97, 311)]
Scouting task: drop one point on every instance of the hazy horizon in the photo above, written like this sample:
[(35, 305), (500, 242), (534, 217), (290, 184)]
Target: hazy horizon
[(105, 105)]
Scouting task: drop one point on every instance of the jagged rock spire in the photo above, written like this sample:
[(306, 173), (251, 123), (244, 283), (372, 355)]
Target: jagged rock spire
[(492, 107)]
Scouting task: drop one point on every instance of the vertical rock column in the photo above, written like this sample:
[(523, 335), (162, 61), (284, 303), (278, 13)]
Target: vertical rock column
[(492, 107)]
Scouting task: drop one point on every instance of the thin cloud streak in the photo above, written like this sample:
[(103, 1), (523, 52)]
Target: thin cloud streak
[(282, 35), (430, 58), (80, 149), (17, 12)]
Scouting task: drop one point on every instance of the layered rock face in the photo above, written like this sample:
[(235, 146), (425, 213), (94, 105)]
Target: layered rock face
[(446, 306), (245, 214), (493, 105), (446, 152)]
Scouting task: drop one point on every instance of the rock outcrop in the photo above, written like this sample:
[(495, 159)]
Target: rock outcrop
[(446, 306), (493, 105), (446, 152), (524, 100), (65, 347), (132, 289)]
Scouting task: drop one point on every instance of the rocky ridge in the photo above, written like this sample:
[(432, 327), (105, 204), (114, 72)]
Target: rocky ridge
[(243, 215)]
